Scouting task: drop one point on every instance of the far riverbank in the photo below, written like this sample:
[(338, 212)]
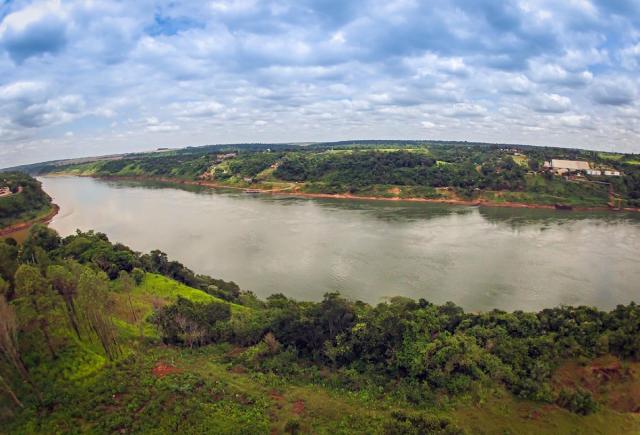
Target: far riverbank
[(480, 202)]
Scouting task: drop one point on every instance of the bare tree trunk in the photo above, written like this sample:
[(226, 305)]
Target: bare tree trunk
[(9, 390), (133, 312), (72, 317), (45, 331), (44, 326)]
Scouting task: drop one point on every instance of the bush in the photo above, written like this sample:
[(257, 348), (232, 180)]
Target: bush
[(191, 323), (403, 423), (579, 401)]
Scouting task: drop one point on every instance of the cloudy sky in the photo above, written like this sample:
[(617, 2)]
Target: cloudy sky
[(96, 77)]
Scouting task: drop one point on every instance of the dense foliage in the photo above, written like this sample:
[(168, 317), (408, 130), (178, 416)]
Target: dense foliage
[(415, 169), (60, 291), (26, 201)]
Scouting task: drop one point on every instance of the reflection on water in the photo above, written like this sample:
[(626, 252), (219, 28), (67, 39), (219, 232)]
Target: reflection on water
[(480, 258)]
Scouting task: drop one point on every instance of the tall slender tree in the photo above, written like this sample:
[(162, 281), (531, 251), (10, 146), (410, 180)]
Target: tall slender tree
[(34, 291), (65, 284), (94, 300)]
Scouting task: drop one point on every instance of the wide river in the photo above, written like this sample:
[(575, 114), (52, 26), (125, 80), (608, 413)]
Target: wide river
[(479, 258)]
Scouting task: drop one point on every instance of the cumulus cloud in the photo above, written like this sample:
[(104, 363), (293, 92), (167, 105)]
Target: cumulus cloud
[(615, 92), (127, 75), (35, 30), (550, 103)]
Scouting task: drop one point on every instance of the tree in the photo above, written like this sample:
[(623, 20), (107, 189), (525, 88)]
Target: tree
[(65, 283), (190, 323), (42, 237), (33, 291), (93, 299), (10, 391), (127, 283), (8, 265), (9, 338)]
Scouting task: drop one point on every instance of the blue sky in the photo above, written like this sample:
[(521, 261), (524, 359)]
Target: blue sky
[(96, 77)]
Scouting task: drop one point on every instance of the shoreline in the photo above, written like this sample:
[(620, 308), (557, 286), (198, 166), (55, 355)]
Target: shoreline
[(348, 196), (11, 229)]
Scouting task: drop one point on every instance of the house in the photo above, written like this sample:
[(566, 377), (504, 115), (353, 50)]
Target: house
[(5, 191), (594, 172), (612, 173), (562, 166), (248, 180)]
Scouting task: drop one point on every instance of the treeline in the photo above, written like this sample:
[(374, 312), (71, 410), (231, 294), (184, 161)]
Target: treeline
[(417, 348), (356, 170), (95, 250), (26, 201)]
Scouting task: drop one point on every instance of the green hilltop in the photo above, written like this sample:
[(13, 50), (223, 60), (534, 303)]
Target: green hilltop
[(97, 338)]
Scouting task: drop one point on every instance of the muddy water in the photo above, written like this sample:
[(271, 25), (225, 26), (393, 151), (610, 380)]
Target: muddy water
[(480, 258)]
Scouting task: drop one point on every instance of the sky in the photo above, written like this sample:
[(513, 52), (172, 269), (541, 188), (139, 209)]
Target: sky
[(81, 78)]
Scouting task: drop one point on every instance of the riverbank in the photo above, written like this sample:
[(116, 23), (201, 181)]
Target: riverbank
[(21, 226), (480, 202)]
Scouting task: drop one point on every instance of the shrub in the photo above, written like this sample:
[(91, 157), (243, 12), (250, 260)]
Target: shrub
[(579, 401), (191, 323), (403, 423)]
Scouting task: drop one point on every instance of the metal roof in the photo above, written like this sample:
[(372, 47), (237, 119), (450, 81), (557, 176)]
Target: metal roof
[(573, 165)]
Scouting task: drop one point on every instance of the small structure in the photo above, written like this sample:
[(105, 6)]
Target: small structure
[(560, 167), (248, 180), (612, 173), (594, 172), (5, 191)]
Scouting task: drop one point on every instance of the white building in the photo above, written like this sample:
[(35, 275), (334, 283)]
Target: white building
[(612, 173), (562, 166)]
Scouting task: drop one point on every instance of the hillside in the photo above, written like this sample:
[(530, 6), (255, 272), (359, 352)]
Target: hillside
[(99, 338), (498, 174), (21, 199)]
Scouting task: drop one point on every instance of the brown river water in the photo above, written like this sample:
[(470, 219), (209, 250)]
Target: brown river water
[(480, 258)]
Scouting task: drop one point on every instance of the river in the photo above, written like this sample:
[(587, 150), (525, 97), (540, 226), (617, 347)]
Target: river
[(480, 258)]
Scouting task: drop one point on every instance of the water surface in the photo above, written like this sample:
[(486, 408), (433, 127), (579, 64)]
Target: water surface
[(479, 258)]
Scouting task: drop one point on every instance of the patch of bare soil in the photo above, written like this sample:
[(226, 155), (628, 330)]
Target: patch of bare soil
[(395, 191), (238, 369), (236, 351), (161, 370), (609, 380), (298, 407)]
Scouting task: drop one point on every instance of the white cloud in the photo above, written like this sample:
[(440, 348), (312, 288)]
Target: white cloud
[(118, 74), (551, 103)]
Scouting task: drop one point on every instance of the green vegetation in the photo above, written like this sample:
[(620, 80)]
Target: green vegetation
[(95, 337), (26, 200), (409, 169)]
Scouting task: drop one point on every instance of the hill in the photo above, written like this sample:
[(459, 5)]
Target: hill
[(444, 171), (98, 338)]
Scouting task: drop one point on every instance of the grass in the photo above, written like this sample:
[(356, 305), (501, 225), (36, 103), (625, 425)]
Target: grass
[(521, 160), (168, 289), (611, 156)]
